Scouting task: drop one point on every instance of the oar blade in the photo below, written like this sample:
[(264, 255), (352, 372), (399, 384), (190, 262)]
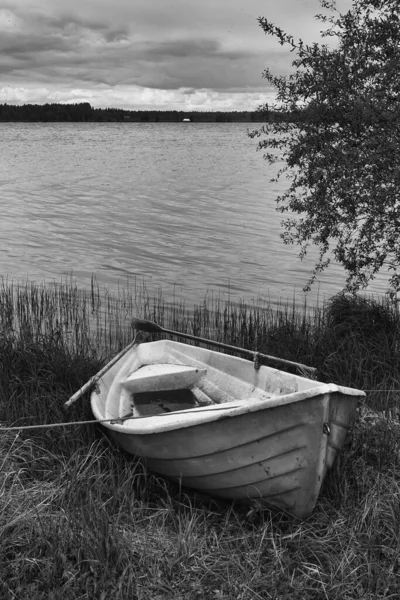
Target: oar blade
[(146, 326)]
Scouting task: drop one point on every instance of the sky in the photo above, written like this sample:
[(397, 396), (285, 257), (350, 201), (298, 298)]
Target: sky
[(148, 54)]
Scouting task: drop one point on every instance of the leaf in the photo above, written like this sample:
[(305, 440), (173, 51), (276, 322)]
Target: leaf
[(336, 120)]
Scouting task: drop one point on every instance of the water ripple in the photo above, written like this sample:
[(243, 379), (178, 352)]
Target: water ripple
[(188, 206)]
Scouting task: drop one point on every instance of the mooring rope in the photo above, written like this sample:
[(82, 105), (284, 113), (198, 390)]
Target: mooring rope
[(52, 425), (116, 421), (120, 420)]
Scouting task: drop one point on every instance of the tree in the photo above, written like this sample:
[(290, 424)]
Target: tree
[(341, 142)]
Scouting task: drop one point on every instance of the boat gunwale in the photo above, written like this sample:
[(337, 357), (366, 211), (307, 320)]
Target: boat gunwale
[(207, 414)]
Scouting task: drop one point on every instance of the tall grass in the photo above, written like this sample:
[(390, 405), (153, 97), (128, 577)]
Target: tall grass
[(79, 519)]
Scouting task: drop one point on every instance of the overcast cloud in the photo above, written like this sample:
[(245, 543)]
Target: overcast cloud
[(147, 54)]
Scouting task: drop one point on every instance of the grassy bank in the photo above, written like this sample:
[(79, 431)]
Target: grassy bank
[(79, 519)]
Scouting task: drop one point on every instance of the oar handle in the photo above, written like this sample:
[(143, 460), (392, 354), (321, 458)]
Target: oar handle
[(99, 375), (151, 327), (83, 389)]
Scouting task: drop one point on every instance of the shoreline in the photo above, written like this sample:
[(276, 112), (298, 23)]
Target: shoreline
[(79, 518)]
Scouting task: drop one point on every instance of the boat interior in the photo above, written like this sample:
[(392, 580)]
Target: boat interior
[(159, 382)]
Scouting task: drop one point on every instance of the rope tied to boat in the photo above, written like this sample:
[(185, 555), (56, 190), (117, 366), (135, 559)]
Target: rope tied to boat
[(114, 421), (53, 425)]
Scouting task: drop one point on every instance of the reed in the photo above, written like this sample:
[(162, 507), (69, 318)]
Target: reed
[(80, 519)]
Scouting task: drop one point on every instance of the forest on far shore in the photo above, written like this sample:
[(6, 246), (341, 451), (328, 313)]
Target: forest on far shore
[(85, 112)]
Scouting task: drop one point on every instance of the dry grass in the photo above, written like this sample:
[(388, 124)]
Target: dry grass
[(79, 519)]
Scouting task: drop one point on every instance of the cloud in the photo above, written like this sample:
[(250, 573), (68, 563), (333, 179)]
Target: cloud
[(46, 48), (189, 47), (136, 97), (50, 48)]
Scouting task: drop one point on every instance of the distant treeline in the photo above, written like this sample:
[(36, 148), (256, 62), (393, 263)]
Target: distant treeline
[(85, 112)]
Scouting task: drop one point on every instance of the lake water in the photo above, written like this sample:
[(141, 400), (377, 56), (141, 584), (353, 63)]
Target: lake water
[(185, 207)]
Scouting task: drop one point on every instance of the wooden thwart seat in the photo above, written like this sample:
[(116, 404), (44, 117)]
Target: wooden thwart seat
[(162, 376)]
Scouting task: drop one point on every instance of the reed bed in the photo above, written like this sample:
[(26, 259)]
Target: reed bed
[(80, 519)]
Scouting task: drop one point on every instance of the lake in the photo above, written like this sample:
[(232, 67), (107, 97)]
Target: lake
[(187, 208)]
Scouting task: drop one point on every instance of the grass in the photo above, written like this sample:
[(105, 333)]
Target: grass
[(80, 519)]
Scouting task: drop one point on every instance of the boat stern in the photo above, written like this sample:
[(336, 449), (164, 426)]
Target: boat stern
[(342, 412)]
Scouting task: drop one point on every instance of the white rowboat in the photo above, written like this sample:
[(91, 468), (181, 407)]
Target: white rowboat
[(224, 427)]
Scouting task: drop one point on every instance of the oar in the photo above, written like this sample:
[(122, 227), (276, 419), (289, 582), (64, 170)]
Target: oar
[(100, 374), (151, 327)]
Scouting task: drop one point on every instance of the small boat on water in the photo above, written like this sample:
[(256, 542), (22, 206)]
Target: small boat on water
[(224, 425)]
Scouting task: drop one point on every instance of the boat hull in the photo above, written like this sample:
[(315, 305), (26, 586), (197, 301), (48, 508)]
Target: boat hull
[(274, 452)]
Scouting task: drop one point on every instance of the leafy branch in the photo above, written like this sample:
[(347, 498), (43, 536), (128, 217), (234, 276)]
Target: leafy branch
[(341, 141)]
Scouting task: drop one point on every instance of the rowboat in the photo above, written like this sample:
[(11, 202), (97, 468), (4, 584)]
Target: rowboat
[(224, 425)]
